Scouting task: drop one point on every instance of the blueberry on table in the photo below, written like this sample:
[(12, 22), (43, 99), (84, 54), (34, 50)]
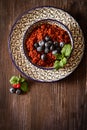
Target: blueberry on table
[(61, 44), (18, 91), (43, 56), (36, 45), (12, 90)]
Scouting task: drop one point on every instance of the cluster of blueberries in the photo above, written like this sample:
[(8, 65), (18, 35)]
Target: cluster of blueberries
[(48, 45), (15, 90)]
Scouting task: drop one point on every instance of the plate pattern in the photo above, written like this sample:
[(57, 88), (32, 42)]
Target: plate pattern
[(16, 44)]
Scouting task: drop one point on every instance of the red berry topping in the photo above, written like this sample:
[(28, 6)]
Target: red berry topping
[(16, 85)]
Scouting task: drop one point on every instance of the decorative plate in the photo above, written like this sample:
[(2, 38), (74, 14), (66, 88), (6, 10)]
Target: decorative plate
[(16, 44)]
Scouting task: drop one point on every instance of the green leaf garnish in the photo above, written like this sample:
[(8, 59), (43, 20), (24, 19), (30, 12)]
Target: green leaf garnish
[(14, 80), (21, 80), (56, 65), (24, 86), (61, 64), (61, 59), (59, 56), (64, 60), (66, 50)]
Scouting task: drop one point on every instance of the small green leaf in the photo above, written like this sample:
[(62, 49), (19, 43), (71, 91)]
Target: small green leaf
[(56, 65), (61, 64), (64, 60), (14, 80), (61, 59), (24, 86), (21, 80), (66, 50), (58, 56)]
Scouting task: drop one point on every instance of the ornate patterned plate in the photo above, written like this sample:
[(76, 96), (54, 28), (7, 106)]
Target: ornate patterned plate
[(16, 44)]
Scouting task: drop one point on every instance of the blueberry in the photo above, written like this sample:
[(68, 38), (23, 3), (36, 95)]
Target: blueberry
[(54, 52), (12, 90), (56, 44), (36, 45), (46, 50), (40, 48), (52, 47), (41, 43), (43, 56), (47, 38), (61, 44), (18, 91), (48, 44), (58, 49)]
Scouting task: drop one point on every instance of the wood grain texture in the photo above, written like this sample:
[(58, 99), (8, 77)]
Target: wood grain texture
[(48, 106)]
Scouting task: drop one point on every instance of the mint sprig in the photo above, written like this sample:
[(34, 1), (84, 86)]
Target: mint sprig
[(14, 80), (61, 59), (24, 86), (66, 50)]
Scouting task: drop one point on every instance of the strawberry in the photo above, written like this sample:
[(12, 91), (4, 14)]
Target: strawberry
[(16, 85)]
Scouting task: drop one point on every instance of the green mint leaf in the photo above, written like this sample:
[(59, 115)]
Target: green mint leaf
[(66, 50), (56, 65), (61, 64), (21, 80), (24, 86), (64, 60), (59, 56), (14, 80)]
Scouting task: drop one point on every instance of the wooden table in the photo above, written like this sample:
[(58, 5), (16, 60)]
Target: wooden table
[(48, 106)]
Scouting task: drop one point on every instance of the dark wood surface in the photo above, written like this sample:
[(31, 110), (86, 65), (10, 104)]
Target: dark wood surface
[(48, 106)]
